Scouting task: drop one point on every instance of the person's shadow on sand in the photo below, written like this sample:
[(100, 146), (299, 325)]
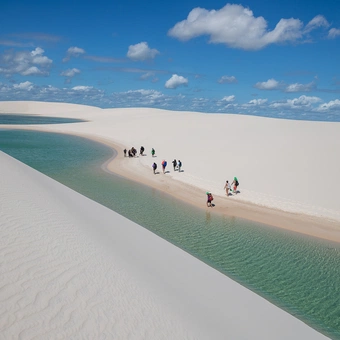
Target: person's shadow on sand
[(167, 172), (212, 204)]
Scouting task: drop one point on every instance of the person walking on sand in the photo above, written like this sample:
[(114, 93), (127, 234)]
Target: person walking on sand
[(154, 167), (179, 165), (164, 164), (153, 152), (209, 199), (227, 187), (141, 150), (125, 152), (174, 163), (235, 183)]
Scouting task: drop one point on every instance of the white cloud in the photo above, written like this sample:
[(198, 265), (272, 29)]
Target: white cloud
[(27, 85), (316, 22), (141, 51), (82, 88), (71, 72), (152, 94), (227, 79), (32, 71), (258, 102), (332, 105), (237, 27), (300, 87), (270, 84), (301, 102), (26, 63), (73, 52), (333, 33), (228, 99), (176, 81)]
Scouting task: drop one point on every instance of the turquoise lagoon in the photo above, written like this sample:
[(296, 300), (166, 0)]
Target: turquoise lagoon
[(300, 274)]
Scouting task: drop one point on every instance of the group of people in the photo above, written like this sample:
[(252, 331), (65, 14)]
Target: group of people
[(133, 152), (232, 187), (176, 165), (228, 187)]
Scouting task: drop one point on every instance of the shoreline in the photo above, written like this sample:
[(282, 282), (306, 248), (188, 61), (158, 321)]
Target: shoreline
[(300, 223), (304, 224)]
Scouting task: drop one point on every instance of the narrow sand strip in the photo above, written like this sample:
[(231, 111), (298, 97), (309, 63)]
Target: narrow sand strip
[(71, 268)]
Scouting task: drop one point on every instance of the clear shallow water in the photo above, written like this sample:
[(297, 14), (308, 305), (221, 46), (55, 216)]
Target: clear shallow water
[(298, 273), (10, 119)]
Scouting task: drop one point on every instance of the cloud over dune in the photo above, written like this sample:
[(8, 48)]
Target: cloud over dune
[(25, 63), (237, 27), (176, 81)]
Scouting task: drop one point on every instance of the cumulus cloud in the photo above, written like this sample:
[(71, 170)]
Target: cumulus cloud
[(73, 52), (227, 79), (258, 102), (296, 87), (228, 99), (331, 105), (333, 33), (301, 102), (270, 84), (27, 86), (25, 63), (316, 22), (71, 72), (176, 81), (141, 51), (237, 27)]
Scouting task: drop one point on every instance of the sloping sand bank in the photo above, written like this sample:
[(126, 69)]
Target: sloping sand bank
[(71, 268)]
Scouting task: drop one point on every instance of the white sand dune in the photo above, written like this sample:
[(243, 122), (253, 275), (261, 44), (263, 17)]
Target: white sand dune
[(73, 269), (285, 165)]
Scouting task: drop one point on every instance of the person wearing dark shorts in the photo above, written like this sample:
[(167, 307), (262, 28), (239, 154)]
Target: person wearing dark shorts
[(209, 199)]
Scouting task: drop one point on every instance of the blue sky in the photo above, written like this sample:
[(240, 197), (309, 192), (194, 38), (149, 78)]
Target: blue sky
[(270, 58)]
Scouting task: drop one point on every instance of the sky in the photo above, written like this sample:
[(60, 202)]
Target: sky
[(258, 57)]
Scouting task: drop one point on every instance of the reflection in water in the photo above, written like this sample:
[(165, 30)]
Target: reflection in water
[(17, 119)]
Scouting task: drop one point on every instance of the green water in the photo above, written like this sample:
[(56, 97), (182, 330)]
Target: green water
[(297, 273)]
